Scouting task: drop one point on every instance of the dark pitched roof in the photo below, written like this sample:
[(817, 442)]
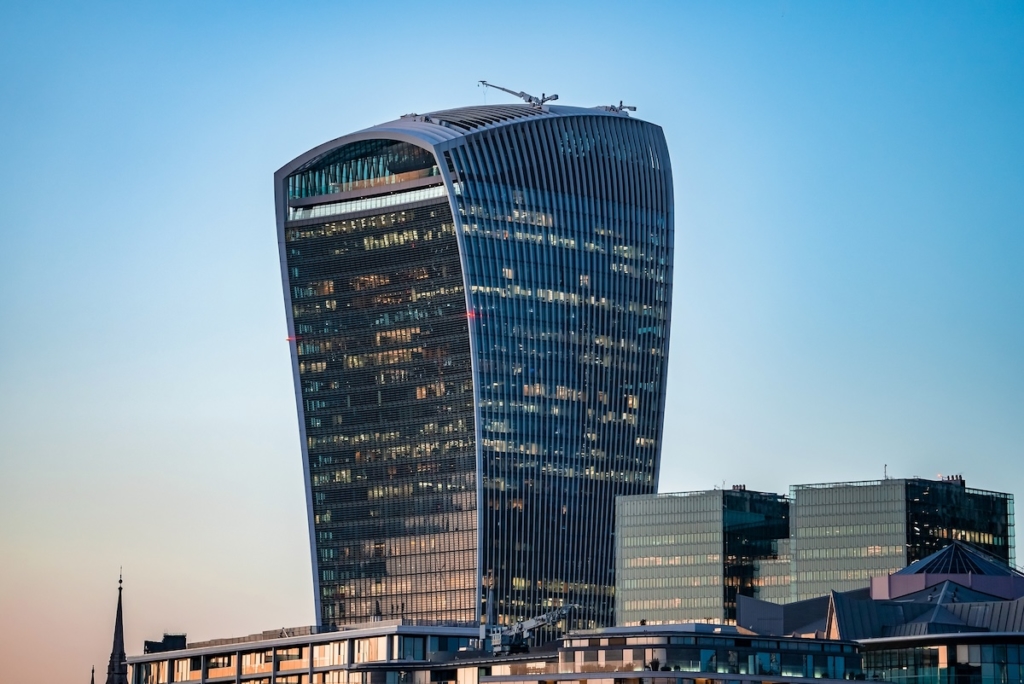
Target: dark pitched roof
[(991, 616), (798, 617), (958, 559), (854, 619)]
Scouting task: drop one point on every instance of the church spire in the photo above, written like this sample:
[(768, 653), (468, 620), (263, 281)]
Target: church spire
[(92, 677), (117, 670)]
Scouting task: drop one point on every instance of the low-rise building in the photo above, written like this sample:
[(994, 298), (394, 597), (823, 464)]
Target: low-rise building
[(383, 652), (395, 653), (954, 617)]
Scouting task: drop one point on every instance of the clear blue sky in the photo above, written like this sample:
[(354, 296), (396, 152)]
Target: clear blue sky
[(849, 270)]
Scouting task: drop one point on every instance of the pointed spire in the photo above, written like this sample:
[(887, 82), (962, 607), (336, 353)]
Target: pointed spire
[(117, 669), (92, 677)]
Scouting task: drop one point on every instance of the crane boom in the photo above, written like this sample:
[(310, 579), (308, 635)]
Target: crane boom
[(515, 638), (619, 108), (526, 97)]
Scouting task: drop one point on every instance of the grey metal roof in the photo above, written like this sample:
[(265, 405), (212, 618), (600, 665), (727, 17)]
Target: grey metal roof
[(435, 128), (798, 617), (471, 118), (867, 619), (948, 591), (447, 124), (861, 619), (992, 616), (961, 637)]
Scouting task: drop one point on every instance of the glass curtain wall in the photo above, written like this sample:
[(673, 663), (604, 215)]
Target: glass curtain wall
[(753, 524), (670, 558), (845, 534), (939, 512), (772, 575), (686, 557), (986, 661), (387, 404), (361, 166), (567, 238)]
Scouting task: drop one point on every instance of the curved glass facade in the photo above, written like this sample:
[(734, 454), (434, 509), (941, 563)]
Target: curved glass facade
[(362, 166), (566, 237), (543, 295), (385, 377)]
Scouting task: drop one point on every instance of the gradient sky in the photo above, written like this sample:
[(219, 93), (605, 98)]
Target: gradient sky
[(849, 285)]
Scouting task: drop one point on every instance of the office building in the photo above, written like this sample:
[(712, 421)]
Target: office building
[(674, 562), (478, 306), (686, 557), (843, 534)]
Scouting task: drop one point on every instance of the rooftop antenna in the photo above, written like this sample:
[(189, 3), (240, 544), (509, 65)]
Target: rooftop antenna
[(537, 102)]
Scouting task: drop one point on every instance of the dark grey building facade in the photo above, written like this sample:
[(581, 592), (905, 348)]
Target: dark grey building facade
[(686, 557), (845, 533), (478, 306)]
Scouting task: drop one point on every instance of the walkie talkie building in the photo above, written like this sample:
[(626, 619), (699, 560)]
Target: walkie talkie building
[(478, 306)]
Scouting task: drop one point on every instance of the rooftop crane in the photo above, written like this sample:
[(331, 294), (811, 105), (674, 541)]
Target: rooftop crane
[(515, 638), (618, 109), (526, 97)]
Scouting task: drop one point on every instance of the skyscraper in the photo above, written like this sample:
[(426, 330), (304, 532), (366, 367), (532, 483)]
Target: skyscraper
[(478, 306)]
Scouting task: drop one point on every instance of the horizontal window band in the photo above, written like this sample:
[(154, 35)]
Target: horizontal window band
[(366, 204)]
